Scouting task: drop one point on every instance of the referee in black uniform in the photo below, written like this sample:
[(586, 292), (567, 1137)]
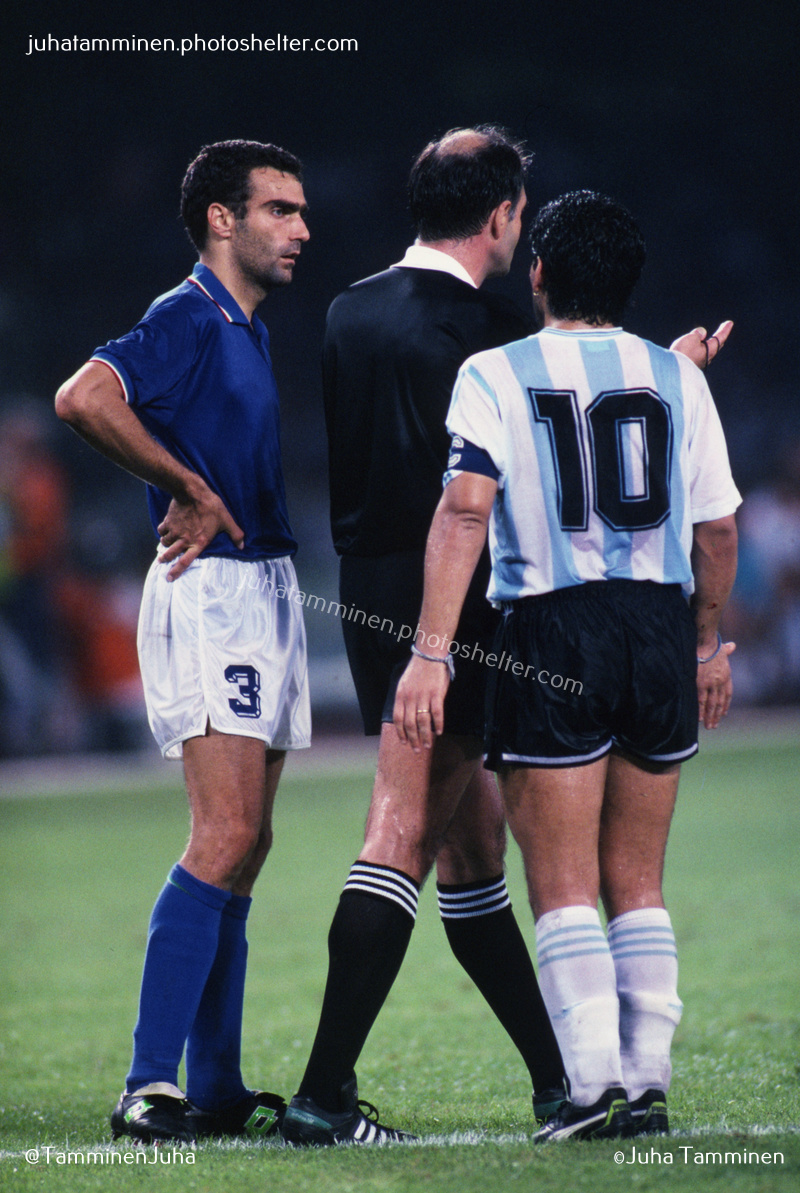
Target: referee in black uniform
[(393, 346)]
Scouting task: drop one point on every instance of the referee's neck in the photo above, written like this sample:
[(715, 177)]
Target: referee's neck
[(469, 254)]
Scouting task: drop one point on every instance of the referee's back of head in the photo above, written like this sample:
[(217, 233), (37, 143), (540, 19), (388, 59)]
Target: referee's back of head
[(459, 180)]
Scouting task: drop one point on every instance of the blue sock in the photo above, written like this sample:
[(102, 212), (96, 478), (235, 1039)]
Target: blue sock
[(181, 946), (214, 1046)]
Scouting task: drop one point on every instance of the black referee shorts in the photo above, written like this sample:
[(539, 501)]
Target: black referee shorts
[(586, 668), (386, 590)]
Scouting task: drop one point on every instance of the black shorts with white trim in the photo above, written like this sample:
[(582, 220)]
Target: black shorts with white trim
[(381, 596), (587, 668)]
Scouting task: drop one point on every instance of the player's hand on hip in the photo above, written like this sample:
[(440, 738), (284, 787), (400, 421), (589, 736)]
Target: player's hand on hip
[(191, 522), (715, 686), (419, 703), (700, 347)]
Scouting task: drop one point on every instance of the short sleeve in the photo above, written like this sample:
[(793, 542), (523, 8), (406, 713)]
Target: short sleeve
[(474, 415), (152, 359), (713, 493)]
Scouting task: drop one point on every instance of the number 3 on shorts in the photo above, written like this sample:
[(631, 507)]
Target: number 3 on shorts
[(249, 684)]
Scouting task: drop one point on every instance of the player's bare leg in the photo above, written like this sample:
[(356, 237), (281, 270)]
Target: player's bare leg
[(414, 799), (273, 769), (231, 783), (637, 811), (474, 843), (554, 815)]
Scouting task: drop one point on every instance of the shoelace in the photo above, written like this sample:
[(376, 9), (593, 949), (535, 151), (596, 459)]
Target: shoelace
[(369, 1111)]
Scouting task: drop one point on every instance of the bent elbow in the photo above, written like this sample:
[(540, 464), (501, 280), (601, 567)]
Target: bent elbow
[(67, 405), (87, 392)]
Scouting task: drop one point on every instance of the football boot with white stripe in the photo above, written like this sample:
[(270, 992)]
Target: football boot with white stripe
[(306, 1125), (608, 1118), (649, 1113), (256, 1116), (151, 1114)]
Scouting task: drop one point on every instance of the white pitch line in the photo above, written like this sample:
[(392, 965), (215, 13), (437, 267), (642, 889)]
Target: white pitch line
[(452, 1139), (89, 774)]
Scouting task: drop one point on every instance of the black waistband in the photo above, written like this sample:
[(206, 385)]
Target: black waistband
[(591, 589)]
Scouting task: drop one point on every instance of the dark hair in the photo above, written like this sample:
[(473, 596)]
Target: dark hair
[(592, 254), (221, 174), (452, 192)]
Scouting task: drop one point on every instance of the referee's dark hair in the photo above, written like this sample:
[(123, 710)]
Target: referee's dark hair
[(592, 254), (458, 181), (221, 174)]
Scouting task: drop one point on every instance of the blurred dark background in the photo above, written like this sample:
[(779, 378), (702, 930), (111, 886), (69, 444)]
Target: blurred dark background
[(684, 112)]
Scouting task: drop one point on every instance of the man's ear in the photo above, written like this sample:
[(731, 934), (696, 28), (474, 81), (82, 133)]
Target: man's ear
[(537, 275), (220, 220), (499, 218)]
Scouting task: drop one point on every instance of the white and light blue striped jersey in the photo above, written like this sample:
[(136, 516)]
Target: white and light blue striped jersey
[(607, 448)]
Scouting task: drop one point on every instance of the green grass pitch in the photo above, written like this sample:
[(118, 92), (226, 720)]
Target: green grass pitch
[(78, 875)]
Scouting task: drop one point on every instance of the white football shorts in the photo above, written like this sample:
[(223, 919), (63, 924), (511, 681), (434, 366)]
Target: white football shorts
[(224, 645)]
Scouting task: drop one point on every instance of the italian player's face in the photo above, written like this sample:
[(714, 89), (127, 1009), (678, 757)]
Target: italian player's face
[(267, 242)]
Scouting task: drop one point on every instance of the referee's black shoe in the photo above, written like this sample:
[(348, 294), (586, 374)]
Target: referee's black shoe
[(257, 1115), (307, 1125), (152, 1114), (547, 1103), (608, 1118)]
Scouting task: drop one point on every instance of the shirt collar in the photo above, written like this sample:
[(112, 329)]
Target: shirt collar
[(596, 332), (207, 281), (421, 256)]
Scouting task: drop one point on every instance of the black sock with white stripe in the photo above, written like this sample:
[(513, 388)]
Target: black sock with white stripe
[(367, 942), (485, 938)]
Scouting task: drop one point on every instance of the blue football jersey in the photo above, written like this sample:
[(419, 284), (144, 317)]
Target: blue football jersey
[(199, 376)]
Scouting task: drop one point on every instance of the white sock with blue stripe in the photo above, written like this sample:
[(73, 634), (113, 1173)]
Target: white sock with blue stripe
[(579, 986), (645, 958)]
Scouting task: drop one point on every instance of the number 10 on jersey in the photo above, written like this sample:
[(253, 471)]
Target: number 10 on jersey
[(630, 456)]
